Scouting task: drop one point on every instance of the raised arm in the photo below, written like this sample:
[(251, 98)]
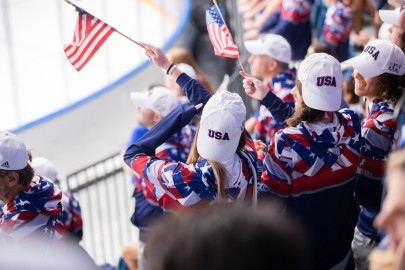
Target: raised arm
[(255, 88), (194, 91)]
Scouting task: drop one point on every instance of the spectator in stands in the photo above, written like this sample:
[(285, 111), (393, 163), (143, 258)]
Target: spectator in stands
[(396, 18), (269, 60), (154, 104), (376, 75), (221, 165), (228, 238), (32, 203), (337, 28), (391, 219), (310, 165), (292, 22), (71, 216)]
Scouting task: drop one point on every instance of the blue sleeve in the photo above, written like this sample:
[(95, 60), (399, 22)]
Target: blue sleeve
[(283, 27), (194, 91), (279, 109), (137, 133), (160, 132), (270, 23)]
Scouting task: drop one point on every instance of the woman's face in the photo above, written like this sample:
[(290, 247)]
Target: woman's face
[(365, 86), (396, 34)]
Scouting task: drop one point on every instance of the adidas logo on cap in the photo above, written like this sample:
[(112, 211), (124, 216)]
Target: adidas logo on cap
[(5, 164)]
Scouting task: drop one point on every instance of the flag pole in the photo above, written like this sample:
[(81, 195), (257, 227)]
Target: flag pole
[(118, 32), (220, 14)]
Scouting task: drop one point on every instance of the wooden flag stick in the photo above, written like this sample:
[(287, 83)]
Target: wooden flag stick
[(220, 14), (118, 32)]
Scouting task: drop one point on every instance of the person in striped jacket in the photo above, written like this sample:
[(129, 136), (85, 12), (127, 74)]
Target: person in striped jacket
[(310, 165), (377, 72), (221, 166)]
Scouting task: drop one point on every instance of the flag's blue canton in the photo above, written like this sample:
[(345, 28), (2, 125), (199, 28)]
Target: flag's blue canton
[(213, 16)]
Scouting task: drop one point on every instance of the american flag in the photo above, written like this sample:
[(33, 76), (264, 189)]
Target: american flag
[(219, 34), (90, 34)]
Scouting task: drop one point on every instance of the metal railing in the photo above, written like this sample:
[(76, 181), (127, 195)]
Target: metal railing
[(104, 192)]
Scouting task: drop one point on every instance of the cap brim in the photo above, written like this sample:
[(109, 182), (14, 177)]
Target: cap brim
[(139, 99), (327, 102), (389, 16), (362, 65), (254, 46)]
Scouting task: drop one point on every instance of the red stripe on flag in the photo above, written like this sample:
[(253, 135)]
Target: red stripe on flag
[(90, 34)]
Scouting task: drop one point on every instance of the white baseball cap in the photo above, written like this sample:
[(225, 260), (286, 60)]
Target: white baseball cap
[(13, 152), (395, 17), (273, 45), (378, 57), (160, 99), (44, 167), (221, 125), (321, 77)]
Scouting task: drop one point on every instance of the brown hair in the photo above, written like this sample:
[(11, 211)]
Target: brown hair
[(390, 87), (24, 175), (305, 113), (220, 171), (181, 55)]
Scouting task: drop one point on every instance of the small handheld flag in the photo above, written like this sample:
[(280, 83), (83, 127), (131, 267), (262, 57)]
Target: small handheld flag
[(219, 34), (90, 34)]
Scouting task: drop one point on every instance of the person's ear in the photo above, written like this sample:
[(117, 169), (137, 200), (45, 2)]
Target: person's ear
[(12, 178), (157, 117)]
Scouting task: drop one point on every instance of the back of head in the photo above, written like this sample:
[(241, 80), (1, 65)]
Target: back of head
[(321, 77), (13, 152), (159, 98), (275, 46), (44, 167), (222, 238), (221, 126)]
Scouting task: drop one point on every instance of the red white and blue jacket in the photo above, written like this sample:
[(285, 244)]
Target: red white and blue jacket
[(337, 28), (177, 184), (378, 137), (292, 22), (33, 216), (71, 217), (311, 169), (266, 125)]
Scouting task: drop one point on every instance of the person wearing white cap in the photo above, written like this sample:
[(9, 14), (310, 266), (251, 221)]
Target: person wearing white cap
[(310, 165), (221, 165), (71, 215), (377, 75), (269, 60), (32, 203), (156, 102), (396, 18)]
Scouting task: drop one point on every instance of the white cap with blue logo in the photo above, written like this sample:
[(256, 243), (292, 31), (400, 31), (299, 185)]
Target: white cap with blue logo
[(321, 77)]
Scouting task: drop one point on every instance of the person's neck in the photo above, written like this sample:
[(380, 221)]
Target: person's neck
[(327, 118), (13, 193)]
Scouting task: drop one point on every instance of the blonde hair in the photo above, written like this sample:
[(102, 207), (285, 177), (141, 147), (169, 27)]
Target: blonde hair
[(220, 172), (181, 55)]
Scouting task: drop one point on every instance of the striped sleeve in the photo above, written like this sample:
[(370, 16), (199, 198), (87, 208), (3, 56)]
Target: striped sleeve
[(378, 136), (172, 182), (276, 172)]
